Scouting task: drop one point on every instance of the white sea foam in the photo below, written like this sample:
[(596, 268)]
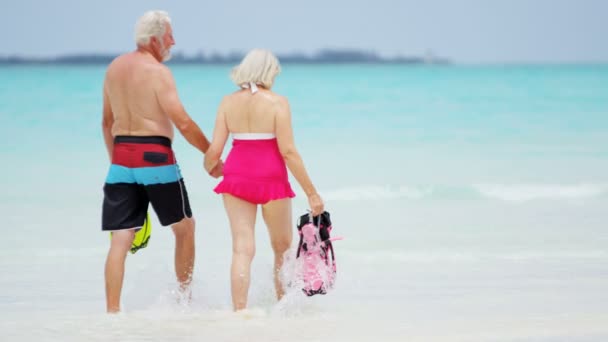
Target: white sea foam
[(504, 192), (376, 192), (394, 256), (527, 192)]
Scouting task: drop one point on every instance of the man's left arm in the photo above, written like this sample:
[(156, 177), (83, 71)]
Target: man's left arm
[(107, 122)]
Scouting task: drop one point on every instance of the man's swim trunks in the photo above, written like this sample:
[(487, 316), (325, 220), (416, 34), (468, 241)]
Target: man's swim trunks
[(143, 170), (255, 170)]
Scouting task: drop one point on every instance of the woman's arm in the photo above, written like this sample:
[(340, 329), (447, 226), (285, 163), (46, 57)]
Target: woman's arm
[(284, 132), (220, 135)]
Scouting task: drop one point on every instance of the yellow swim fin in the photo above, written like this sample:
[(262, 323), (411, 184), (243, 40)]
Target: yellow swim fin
[(142, 236)]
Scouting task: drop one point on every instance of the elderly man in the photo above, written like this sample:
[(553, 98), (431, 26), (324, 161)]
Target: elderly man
[(140, 107)]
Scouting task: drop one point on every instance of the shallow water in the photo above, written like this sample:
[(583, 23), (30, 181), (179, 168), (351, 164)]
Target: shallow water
[(472, 201)]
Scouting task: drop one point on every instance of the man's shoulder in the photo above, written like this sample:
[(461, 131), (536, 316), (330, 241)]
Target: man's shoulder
[(118, 60), (151, 67), (158, 72), (131, 60), (163, 70)]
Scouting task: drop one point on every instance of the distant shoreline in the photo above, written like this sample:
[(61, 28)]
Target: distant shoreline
[(322, 57)]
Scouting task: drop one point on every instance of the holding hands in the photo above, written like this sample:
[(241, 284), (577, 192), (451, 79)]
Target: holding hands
[(216, 170)]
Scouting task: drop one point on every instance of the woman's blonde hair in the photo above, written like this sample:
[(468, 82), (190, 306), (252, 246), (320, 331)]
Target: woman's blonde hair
[(259, 66)]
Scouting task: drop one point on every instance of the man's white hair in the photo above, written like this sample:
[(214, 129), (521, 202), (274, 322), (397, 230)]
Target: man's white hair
[(151, 24), (259, 66)]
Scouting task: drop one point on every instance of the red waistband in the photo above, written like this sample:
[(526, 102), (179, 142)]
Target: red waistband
[(142, 155)]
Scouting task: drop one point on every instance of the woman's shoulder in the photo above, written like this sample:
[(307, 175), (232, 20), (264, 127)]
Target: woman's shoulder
[(265, 99), (230, 99), (280, 105), (277, 99)]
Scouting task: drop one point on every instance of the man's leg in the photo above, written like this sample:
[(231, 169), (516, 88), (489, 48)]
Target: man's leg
[(115, 267), (184, 251)]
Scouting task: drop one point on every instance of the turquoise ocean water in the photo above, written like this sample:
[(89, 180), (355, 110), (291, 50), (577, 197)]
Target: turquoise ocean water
[(473, 201)]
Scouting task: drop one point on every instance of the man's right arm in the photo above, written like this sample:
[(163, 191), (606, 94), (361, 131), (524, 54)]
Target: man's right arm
[(172, 106)]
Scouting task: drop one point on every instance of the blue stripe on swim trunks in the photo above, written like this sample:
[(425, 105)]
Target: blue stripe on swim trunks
[(143, 175)]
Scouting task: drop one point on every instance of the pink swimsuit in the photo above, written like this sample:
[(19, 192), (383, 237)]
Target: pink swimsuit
[(255, 170)]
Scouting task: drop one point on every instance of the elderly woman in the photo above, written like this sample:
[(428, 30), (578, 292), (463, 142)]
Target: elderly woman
[(255, 171)]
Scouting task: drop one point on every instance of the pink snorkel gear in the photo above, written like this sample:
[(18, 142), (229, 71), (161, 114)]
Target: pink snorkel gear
[(319, 273)]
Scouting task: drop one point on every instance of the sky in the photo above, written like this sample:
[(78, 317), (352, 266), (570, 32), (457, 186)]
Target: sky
[(463, 31)]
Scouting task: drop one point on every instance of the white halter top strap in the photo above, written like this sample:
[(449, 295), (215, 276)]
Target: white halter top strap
[(250, 85), (253, 136)]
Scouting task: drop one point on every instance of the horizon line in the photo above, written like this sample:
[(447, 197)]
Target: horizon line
[(320, 56)]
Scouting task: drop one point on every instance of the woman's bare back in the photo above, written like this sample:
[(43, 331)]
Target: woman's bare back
[(251, 113)]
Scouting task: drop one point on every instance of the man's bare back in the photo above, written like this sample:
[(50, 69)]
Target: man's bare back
[(140, 97), (132, 84)]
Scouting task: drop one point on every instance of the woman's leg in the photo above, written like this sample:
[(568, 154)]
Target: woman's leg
[(277, 216), (241, 215)]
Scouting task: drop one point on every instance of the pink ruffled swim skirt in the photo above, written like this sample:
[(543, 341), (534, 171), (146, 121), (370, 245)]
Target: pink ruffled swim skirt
[(255, 170)]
